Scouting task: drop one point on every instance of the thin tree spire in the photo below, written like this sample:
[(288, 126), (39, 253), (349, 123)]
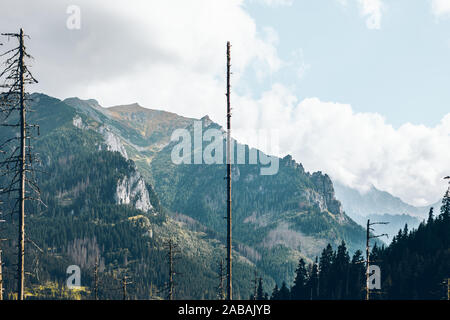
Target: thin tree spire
[(229, 219), (18, 152)]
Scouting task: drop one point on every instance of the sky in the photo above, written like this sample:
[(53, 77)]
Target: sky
[(354, 88)]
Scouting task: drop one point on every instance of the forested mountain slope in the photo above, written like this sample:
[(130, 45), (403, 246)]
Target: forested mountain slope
[(277, 218), (112, 190), (99, 205)]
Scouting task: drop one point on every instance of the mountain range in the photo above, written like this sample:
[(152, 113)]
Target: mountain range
[(378, 205), (113, 194)]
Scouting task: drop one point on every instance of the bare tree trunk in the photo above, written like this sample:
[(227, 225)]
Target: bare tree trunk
[(229, 220), (221, 292), (96, 279), (18, 164), (124, 287), (1, 277), (367, 260), (171, 284), (21, 243)]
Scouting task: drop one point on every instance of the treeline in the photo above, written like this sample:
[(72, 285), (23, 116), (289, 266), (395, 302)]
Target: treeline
[(414, 266), (334, 276), (416, 263)]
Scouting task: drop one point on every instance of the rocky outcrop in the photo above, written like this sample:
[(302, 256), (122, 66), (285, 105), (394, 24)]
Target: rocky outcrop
[(78, 122), (131, 189), (112, 141), (324, 187), (322, 194), (288, 161)]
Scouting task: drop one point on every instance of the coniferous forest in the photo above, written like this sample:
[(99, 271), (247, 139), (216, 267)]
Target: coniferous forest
[(414, 266)]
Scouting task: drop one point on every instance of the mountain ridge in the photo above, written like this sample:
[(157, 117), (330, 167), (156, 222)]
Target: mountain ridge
[(277, 219)]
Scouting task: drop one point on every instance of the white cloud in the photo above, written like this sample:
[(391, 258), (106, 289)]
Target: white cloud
[(357, 149), (440, 7), (146, 51), (372, 10)]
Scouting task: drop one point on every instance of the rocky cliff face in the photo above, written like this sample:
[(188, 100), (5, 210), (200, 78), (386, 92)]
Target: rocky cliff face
[(323, 194), (131, 189), (113, 142), (324, 186)]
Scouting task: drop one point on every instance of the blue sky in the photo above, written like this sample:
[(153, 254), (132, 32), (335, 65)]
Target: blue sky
[(401, 70)]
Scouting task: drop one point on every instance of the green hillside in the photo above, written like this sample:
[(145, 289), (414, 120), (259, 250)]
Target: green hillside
[(112, 190)]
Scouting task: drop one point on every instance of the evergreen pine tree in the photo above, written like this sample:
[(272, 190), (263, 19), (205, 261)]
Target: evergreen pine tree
[(405, 230), (299, 289), (284, 293), (430, 216), (313, 282), (260, 292), (357, 276), (340, 272), (275, 293), (325, 275), (445, 208)]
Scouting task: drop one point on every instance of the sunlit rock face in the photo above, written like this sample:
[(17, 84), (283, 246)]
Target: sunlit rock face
[(131, 189), (78, 122), (325, 187), (113, 142)]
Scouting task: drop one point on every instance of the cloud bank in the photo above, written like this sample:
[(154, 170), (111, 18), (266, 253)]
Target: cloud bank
[(440, 7), (372, 10), (171, 55), (357, 149)]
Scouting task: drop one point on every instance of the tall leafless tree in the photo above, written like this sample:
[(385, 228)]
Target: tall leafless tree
[(172, 251), (228, 178), (368, 237), (1, 269), (17, 163), (221, 287)]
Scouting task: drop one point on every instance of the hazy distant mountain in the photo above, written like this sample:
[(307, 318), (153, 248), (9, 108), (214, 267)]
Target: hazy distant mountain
[(380, 205), (376, 202), (396, 222)]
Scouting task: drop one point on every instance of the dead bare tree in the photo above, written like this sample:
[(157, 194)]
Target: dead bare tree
[(18, 157), (255, 286), (1, 277), (368, 237), (1, 269), (228, 178), (172, 249), (221, 287), (125, 282), (96, 279)]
